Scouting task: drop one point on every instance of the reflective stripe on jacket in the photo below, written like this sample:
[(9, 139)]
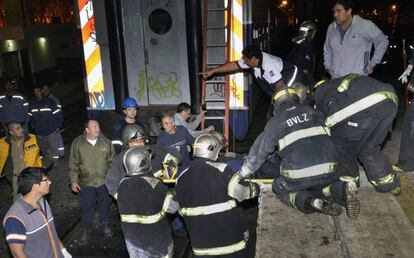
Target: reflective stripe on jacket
[(212, 218), (301, 141), (351, 96), (148, 219)]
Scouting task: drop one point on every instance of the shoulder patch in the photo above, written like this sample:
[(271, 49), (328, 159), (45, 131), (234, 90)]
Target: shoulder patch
[(218, 165)]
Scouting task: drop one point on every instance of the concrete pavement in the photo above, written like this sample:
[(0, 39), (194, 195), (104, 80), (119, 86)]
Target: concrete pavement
[(385, 227)]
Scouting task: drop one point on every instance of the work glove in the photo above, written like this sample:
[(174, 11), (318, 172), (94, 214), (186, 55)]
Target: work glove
[(405, 74), (65, 253), (244, 191)]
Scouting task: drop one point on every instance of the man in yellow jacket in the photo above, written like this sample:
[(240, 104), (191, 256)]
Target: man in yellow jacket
[(18, 150)]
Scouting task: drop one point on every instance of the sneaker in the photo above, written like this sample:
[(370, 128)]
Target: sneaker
[(352, 204), (326, 207), (106, 230)]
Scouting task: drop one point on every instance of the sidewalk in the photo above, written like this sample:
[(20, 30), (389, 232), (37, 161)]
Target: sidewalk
[(385, 227)]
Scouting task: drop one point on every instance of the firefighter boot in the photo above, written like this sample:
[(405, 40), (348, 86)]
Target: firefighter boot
[(326, 207), (352, 204)]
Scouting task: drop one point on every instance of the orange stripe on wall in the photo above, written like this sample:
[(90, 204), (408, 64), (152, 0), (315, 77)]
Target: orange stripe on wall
[(93, 60), (81, 4), (88, 29)]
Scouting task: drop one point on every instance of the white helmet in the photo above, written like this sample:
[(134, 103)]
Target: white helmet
[(133, 132), (207, 146), (137, 161)]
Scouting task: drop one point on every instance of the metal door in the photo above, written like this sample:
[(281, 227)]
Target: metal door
[(156, 51), (165, 51)]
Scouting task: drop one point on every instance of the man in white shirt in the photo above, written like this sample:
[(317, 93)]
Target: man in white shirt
[(270, 72)]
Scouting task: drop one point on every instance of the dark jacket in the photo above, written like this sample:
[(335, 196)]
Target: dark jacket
[(46, 117), (143, 217), (351, 98), (13, 108), (205, 184), (297, 134)]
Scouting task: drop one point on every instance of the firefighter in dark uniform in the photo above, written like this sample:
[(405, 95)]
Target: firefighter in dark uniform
[(270, 72), (360, 110), (406, 155), (213, 219), (303, 51), (308, 178), (143, 218), (163, 163)]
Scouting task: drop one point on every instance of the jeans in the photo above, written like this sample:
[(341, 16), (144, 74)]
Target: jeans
[(92, 197)]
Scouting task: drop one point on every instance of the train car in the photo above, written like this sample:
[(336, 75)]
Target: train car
[(152, 50)]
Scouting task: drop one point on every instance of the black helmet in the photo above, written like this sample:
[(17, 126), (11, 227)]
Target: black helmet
[(301, 90), (283, 95), (137, 161), (307, 30)]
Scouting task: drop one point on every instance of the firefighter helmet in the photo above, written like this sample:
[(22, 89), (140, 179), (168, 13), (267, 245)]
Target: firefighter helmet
[(307, 30), (207, 146), (219, 136), (283, 95), (301, 90), (133, 132), (137, 161), (318, 84)]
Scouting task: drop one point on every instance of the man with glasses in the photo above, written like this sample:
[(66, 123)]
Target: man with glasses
[(29, 226)]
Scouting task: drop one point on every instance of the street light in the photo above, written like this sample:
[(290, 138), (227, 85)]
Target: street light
[(394, 7)]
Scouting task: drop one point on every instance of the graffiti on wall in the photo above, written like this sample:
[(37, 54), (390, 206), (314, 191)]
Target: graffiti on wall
[(233, 91), (140, 89), (160, 87), (91, 21), (97, 99), (218, 90)]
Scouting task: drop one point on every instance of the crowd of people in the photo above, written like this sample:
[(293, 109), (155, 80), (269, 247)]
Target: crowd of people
[(311, 145)]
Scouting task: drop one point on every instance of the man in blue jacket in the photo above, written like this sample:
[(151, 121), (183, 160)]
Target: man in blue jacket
[(46, 121), (130, 111), (13, 106)]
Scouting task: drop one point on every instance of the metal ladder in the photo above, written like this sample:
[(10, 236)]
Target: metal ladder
[(216, 51)]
